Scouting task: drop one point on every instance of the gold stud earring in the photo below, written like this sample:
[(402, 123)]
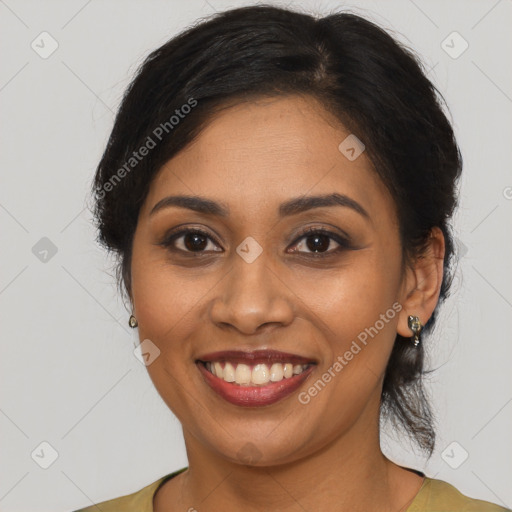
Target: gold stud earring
[(415, 326), (132, 322)]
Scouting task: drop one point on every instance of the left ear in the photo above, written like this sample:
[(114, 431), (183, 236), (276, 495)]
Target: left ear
[(422, 283)]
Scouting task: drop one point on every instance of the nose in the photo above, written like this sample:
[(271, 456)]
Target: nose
[(252, 297)]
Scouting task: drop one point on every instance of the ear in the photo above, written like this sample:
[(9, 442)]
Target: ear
[(126, 279), (422, 283)]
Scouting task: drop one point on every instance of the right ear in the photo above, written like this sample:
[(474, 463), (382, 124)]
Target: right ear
[(127, 279)]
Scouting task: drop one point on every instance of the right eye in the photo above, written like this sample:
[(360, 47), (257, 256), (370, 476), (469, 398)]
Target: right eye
[(187, 241)]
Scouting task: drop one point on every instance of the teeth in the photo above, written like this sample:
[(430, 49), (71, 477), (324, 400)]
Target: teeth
[(229, 373), (242, 374), (260, 374), (218, 369), (276, 372)]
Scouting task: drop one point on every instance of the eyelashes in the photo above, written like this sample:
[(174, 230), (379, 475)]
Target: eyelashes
[(194, 242)]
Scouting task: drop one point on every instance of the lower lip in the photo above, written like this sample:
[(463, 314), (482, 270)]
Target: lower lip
[(254, 396)]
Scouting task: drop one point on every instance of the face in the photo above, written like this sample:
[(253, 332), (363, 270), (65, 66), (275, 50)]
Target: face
[(254, 279)]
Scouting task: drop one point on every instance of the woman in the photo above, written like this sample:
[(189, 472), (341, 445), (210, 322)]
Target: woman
[(278, 189)]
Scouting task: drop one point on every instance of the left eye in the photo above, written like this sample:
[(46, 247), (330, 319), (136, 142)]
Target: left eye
[(318, 241)]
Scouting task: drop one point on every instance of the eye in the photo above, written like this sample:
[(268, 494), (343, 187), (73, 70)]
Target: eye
[(318, 242), (189, 241)]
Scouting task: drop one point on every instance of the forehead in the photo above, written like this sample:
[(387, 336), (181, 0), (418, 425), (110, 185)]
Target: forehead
[(258, 154)]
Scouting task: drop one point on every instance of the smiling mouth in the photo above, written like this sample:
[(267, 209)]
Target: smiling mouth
[(253, 379)]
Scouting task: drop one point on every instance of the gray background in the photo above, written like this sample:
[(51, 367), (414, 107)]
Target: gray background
[(69, 376)]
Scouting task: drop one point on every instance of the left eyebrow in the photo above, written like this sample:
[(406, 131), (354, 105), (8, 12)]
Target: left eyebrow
[(302, 204)]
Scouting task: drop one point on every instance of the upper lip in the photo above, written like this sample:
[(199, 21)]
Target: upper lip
[(255, 357)]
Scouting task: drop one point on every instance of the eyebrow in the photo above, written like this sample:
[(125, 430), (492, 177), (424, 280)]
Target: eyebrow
[(291, 207)]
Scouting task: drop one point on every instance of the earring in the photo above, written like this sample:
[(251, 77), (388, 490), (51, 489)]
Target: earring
[(415, 326), (132, 322)]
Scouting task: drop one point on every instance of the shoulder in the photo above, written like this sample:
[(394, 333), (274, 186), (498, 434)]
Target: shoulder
[(440, 496), (139, 501)]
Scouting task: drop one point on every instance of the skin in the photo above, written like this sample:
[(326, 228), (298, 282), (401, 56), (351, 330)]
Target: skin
[(324, 455)]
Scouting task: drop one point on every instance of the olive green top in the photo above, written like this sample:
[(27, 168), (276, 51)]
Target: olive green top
[(433, 496)]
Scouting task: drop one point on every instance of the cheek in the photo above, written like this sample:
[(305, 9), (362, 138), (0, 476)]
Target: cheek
[(161, 301), (169, 302), (166, 310), (358, 313), (358, 308)]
